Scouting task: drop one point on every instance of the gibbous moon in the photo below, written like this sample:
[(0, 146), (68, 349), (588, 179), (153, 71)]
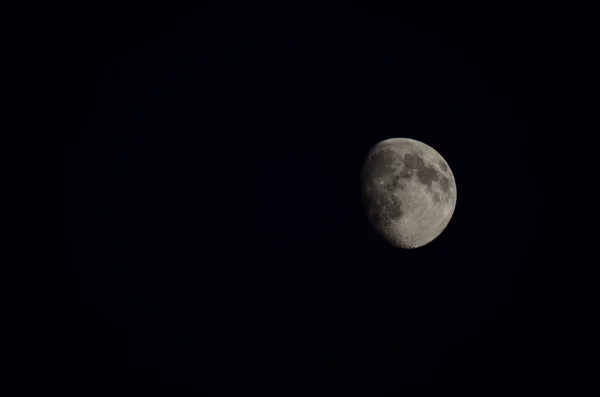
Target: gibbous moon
[(409, 192)]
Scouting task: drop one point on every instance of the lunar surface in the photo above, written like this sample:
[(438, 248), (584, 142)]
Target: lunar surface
[(409, 192)]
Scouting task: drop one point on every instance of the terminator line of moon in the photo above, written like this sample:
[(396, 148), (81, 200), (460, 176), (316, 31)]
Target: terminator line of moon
[(409, 192)]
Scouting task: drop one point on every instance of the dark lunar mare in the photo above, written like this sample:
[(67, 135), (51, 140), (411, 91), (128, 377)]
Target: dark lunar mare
[(382, 162), (445, 184), (383, 209), (443, 165), (425, 174), (382, 204)]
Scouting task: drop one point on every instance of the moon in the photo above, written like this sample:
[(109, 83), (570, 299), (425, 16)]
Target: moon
[(409, 192)]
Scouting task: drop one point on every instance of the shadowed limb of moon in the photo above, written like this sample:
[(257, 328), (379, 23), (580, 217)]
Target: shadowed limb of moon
[(409, 192)]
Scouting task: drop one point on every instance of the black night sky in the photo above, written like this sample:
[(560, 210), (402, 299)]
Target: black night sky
[(213, 225)]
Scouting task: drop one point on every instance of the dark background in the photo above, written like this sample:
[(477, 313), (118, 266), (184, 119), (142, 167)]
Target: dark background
[(213, 231)]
